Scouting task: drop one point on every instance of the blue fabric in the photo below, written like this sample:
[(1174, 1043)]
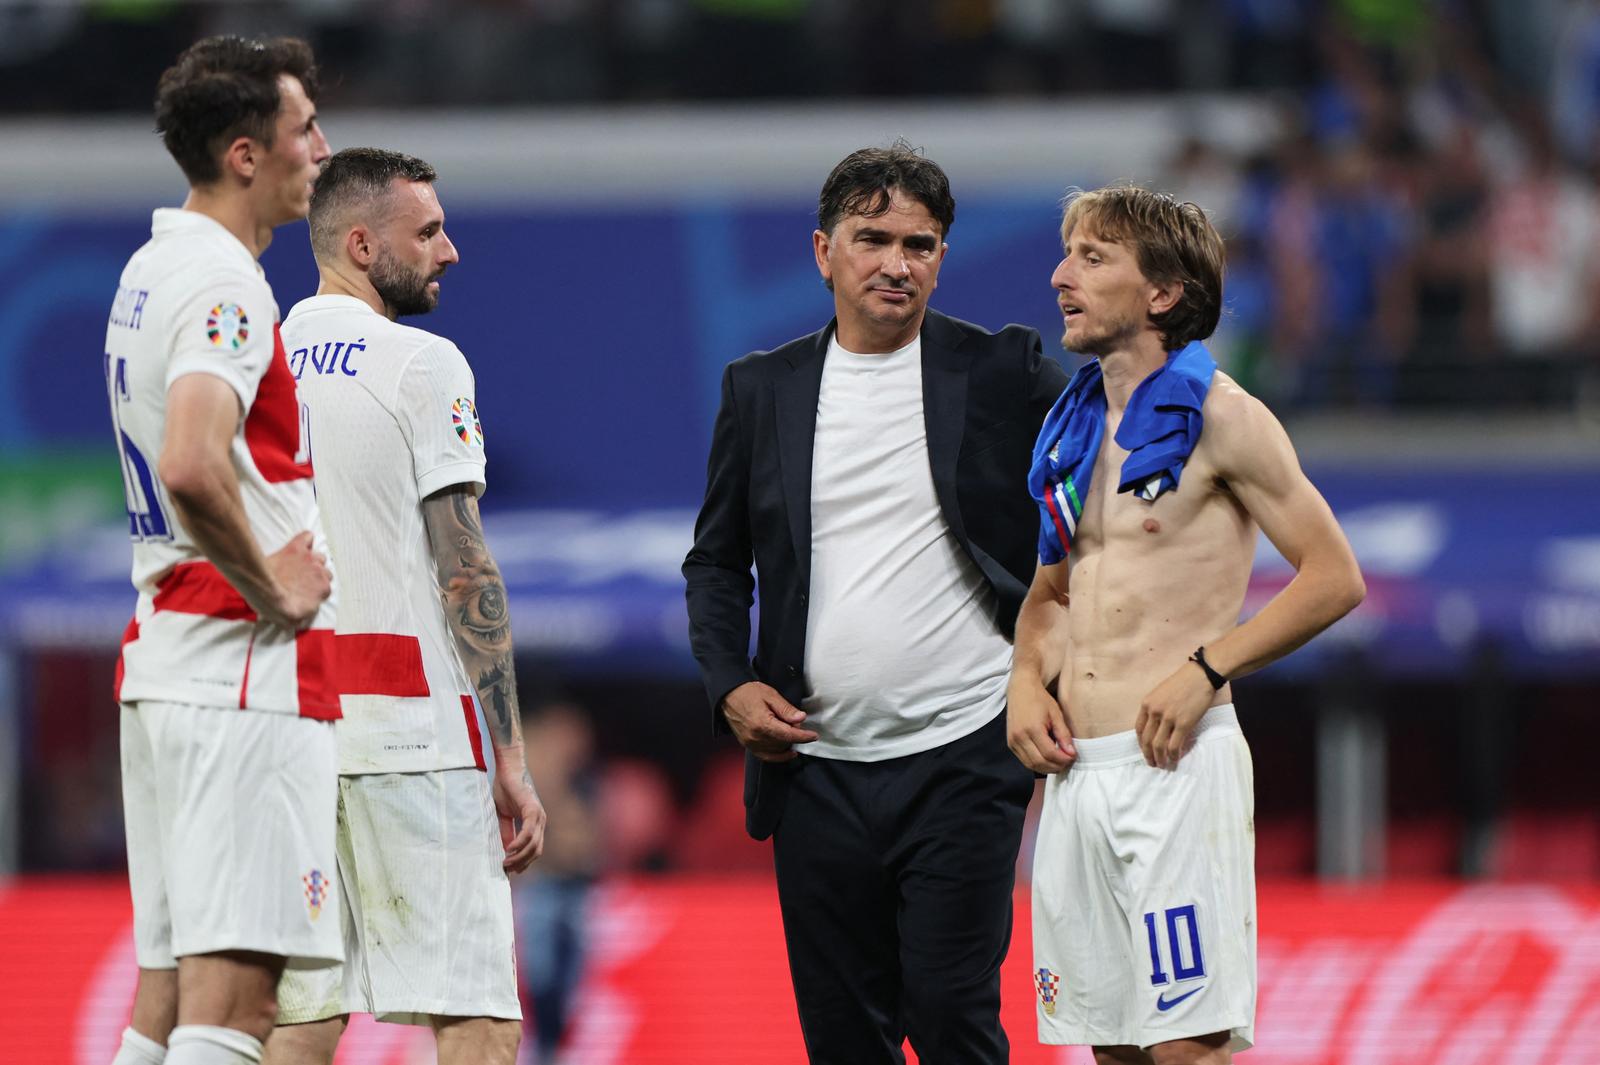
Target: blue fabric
[(1159, 431)]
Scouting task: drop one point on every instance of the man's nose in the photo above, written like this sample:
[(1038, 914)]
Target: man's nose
[(896, 264)]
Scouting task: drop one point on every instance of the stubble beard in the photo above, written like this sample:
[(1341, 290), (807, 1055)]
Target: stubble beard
[(402, 289), (1098, 345)]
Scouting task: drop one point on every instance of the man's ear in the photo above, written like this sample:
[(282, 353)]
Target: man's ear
[(240, 157), (820, 243), (1166, 297), (359, 245)]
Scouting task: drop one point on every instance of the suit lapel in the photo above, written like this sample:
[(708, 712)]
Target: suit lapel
[(795, 397), (944, 413)]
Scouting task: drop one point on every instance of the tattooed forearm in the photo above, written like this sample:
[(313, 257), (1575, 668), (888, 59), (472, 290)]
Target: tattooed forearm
[(474, 599)]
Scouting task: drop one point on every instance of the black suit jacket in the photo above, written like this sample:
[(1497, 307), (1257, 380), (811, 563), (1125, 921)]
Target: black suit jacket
[(984, 396)]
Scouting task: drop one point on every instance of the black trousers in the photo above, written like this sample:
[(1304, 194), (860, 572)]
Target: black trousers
[(895, 881)]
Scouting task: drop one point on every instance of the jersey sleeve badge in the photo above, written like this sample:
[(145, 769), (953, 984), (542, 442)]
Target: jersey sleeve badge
[(464, 416), (228, 326)]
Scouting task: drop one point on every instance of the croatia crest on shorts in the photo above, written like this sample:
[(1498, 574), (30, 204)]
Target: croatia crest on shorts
[(316, 883), (1045, 982), (227, 326), (464, 416)]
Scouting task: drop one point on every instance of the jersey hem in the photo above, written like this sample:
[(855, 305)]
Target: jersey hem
[(195, 364), (447, 476)]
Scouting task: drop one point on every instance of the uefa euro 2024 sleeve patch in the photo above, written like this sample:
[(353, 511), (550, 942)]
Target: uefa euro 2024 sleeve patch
[(464, 416), (228, 326)]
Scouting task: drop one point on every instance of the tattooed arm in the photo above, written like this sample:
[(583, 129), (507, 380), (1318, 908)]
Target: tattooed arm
[(474, 600)]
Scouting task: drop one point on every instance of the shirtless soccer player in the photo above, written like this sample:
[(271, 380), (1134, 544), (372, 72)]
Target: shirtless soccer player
[(1152, 474), (398, 448), (228, 771)]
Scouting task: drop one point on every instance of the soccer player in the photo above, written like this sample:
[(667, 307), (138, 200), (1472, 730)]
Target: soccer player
[(423, 623), (228, 760), (1153, 473)]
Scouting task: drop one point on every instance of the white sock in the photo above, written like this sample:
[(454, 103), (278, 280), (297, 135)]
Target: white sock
[(204, 1044), (137, 1049)]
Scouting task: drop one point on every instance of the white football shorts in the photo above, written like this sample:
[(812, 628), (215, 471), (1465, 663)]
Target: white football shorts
[(229, 818), (428, 930), (1144, 900)]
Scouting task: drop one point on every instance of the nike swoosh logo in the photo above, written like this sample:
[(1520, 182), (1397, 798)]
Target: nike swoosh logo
[(1163, 1005)]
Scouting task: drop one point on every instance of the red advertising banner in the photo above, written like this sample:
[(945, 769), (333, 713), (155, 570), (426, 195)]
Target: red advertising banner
[(693, 971)]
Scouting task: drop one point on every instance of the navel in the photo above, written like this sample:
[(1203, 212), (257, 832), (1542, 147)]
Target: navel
[(1151, 525)]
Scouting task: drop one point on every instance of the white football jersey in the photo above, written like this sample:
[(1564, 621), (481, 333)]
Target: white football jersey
[(392, 420), (194, 300)]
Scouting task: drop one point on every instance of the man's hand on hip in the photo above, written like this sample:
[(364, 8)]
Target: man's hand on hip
[(1168, 715), (303, 579), (765, 722), (1036, 729)]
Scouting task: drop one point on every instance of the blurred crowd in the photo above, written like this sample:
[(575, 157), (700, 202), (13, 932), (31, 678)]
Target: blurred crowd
[(1423, 229), (1420, 232)]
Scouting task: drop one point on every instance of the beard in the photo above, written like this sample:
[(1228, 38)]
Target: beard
[(403, 289), (1114, 335)]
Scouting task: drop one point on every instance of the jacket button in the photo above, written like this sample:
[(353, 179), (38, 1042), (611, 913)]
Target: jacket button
[(794, 671)]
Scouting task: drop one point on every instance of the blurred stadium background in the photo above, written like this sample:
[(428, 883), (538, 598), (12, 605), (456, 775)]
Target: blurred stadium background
[(1409, 192)]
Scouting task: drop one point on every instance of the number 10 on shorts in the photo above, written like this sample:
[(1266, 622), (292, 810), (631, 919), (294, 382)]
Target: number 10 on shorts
[(1183, 947)]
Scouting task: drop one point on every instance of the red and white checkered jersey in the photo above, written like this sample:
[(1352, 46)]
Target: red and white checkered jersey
[(193, 300), (393, 419)]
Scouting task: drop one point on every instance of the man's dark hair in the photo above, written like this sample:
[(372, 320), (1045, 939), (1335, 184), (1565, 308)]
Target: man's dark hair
[(222, 88), (1174, 243), (863, 182), (353, 180)]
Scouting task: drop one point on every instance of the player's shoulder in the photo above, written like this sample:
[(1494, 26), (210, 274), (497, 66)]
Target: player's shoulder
[(416, 340), (187, 277), (347, 318), (1229, 402), (1236, 423), (432, 350), (194, 252)]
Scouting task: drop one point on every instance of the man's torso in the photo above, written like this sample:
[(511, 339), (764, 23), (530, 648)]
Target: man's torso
[(392, 419), (193, 300), (1149, 582), (902, 651)]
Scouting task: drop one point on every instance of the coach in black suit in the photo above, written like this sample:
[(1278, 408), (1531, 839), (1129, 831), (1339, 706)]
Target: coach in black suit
[(874, 472)]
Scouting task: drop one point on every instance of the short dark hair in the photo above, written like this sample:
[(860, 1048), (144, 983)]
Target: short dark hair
[(356, 178), (1173, 242), (222, 88), (863, 181)]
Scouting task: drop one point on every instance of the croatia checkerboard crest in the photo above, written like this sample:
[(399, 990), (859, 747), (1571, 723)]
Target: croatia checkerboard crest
[(316, 884), (1045, 982)]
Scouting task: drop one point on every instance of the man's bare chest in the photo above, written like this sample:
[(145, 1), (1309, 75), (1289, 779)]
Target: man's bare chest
[(1113, 518)]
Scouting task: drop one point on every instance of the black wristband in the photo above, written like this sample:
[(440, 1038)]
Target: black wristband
[(1217, 679)]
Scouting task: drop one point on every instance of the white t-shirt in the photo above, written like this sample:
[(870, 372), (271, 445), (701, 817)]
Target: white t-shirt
[(902, 652), (1543, 267), (193, 300), (393, 419)]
